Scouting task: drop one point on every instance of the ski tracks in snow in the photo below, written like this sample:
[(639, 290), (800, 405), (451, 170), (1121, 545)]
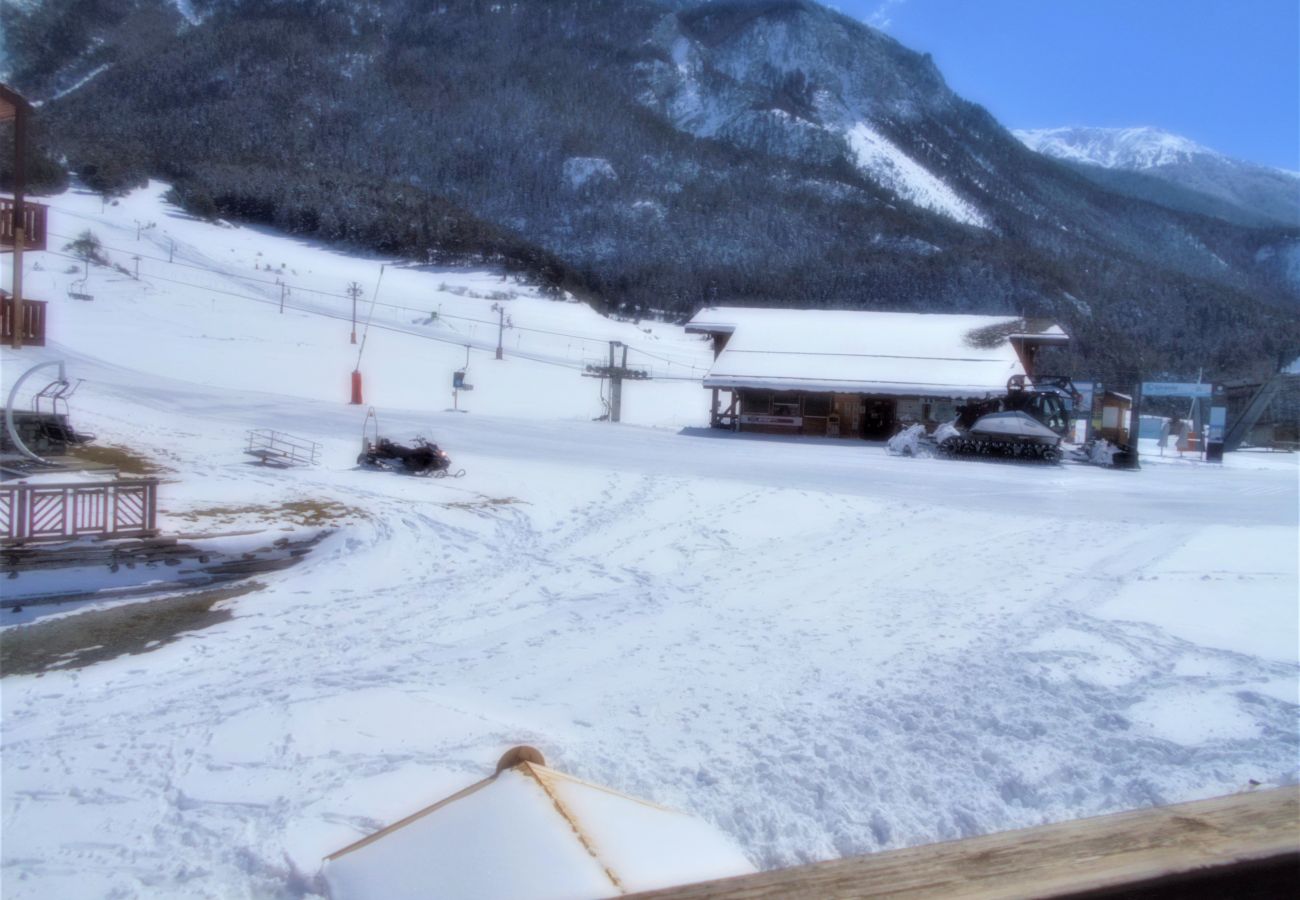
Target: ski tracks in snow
[(817, 673)]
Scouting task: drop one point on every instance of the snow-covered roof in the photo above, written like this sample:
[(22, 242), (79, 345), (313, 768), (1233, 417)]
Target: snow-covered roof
[(853, 351), (530, 832)]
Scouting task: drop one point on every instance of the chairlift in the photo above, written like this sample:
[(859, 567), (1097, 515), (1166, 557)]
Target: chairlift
[(52, 425), (57, 391), (77, 290), (56, 425)]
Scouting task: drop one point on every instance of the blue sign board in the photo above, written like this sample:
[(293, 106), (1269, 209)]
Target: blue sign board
[(1176, 389), (1218, 419)]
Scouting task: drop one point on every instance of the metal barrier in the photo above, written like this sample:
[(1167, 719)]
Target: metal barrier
[(52, 512), (279, 449)]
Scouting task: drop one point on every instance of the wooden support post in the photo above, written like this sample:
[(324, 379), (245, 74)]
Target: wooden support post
[(20, 220), (20, 235), (1135, 425)]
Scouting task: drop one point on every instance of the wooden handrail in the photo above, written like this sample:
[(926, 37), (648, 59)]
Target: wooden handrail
[(1241, 845)]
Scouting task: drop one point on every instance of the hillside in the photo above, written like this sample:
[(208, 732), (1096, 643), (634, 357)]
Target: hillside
[(649, 157)]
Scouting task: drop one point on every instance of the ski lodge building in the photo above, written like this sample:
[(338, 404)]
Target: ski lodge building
[(850, 373)]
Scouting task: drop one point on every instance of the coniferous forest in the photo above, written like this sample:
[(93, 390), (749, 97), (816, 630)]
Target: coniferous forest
[(652, 157)]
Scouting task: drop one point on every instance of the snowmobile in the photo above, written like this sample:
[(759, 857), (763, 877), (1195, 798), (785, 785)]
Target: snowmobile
[(1028, 422), (424, 458)]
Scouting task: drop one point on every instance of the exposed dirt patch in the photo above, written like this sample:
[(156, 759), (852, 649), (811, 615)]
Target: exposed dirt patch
[(86, 638), (483, 502), (124, 459), (315, 513)]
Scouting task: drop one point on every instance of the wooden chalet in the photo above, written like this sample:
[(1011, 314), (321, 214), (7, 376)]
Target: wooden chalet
[(859, 374), (22, 229)]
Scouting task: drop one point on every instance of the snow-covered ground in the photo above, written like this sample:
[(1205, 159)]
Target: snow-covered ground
[(819, 648)]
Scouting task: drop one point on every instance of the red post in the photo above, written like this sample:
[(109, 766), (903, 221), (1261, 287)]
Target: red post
[(356, 387)]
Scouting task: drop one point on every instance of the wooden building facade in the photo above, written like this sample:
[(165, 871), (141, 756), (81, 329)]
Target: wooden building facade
[(858, 374), (22, 229)]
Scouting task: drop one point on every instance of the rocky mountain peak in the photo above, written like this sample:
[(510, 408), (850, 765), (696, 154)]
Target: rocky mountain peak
[(1116, 148)]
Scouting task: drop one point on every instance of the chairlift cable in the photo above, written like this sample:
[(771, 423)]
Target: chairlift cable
[(373, 299), (373, 304)]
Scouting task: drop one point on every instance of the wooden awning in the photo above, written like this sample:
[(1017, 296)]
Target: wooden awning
[(11, 102)]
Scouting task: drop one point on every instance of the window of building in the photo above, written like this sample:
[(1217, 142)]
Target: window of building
[(817, 405), (785, 404), (756, 403)]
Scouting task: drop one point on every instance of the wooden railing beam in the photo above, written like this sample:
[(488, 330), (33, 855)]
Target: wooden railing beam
[(1244, 845)]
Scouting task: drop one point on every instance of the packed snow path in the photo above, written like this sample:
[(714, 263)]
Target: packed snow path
[(819, 648)]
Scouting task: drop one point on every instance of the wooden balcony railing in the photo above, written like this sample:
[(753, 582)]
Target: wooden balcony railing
[(33, 321), (56, 512), (33, 223)]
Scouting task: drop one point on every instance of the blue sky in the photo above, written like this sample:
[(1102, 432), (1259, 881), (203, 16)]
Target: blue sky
[(1225, 73)]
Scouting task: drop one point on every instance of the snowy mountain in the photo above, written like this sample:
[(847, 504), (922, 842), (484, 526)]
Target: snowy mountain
[(1115, 148), (647, 155), (1223, 186)]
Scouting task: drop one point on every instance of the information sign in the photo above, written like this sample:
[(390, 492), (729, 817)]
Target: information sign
[(1176, 389)]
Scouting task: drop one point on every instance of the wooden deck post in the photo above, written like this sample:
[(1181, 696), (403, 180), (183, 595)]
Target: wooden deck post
[(20, 221)]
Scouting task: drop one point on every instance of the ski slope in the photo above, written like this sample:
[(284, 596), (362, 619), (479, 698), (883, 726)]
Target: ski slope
[(821, 649)]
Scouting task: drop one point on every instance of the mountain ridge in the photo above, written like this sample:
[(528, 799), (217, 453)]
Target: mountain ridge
[(773, 153), (1239, 190)]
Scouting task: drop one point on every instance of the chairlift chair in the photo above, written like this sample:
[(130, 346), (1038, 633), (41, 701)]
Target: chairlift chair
[(55, 425), (77, 290), (52, 425)]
